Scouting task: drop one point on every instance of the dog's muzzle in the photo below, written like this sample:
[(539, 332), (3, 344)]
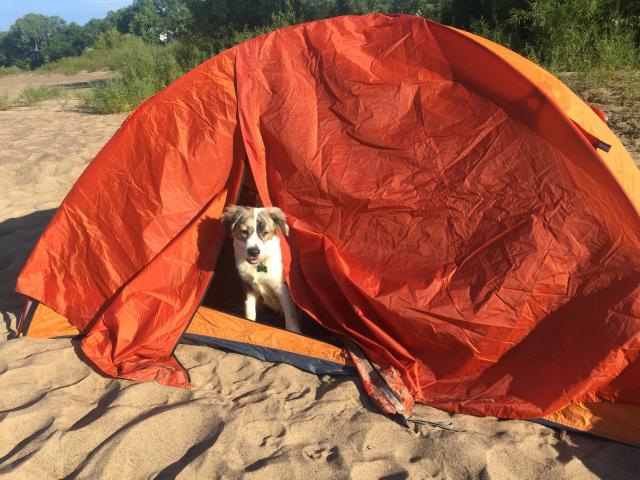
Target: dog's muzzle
[(253, 255)]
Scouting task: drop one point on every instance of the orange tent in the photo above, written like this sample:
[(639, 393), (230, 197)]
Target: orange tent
[(456, 212)]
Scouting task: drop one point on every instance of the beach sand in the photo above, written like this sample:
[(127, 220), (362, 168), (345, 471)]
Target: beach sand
[(243, 418)]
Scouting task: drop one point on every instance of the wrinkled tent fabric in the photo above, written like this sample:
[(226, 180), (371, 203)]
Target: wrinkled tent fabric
[(448, 214)]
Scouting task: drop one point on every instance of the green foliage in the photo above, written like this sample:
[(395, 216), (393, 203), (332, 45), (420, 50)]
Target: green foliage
[(158, 21), (575, 35), (139, 77), (494, 31), (578, 34), (5, 102), (39, 93), (278, 20), (571, 34), (187, 56), (3, 55), (112, 39), (37, 39), (599, 37), (465, 13), (5, 71), (112, 50), (95, 27)]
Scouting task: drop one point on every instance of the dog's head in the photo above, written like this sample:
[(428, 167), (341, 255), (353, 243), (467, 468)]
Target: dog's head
[(252, 228)]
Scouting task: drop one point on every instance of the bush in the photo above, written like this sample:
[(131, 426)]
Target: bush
[(576, 35), (278, 20), (146, 69), (597, 43), (187, 56), (112, 50), (13, 70), (140, 77), (39, 93), (494, 31), (5, 102)]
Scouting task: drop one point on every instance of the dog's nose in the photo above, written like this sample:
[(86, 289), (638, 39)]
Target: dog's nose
[(253, 251)]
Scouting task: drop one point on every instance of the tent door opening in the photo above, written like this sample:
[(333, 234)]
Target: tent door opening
[(225, 292)]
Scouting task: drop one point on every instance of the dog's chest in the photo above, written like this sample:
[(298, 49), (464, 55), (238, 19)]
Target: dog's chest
[(265, 284), (255, 274), (263, 278)]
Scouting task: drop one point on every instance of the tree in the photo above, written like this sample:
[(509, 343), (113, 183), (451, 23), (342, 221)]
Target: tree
[(159, 20), (3, 57), (153, 20), (36, 39), (27, 43), (95, 27), (68, 41), (315, 9)]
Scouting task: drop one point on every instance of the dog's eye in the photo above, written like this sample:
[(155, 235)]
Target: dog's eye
[(244, 232)]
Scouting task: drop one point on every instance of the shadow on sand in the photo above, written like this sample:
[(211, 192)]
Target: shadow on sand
[(606, 459), (18, 236)]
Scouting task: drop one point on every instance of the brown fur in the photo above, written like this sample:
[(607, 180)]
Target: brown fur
[(240, 221)]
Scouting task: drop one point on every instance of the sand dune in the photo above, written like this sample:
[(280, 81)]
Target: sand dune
[(243, 418)]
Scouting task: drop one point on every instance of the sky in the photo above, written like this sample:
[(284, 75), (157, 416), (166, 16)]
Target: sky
[(79, 11)]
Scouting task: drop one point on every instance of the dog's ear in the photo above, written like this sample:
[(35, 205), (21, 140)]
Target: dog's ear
[(231, 215), (279, 219)]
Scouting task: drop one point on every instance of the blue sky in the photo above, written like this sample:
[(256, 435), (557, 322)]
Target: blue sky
[(79, 11)]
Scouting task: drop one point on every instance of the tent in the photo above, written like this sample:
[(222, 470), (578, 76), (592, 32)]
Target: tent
[(457, 214)]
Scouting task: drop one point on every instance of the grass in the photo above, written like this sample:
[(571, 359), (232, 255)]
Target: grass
[(36, 94), (614, 64), (573, 36), (30, 96), (5, 102), (111, 52), (71, 65), (5, 71)]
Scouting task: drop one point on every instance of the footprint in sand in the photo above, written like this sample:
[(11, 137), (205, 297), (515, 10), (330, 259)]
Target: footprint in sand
[(318, 452), (264, 433)]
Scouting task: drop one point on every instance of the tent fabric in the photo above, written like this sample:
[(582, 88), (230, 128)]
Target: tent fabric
[(220, 329), (39, 321), (268, 343), (217, 328), (134, 242), (617, 159), (616, 421), (447, 215)]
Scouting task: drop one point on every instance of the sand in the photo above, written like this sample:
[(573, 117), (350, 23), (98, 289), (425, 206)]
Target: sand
[(243, 418), (14, 84)]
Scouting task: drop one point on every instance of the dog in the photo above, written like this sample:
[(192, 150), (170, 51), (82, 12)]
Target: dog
[(258, 257)]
